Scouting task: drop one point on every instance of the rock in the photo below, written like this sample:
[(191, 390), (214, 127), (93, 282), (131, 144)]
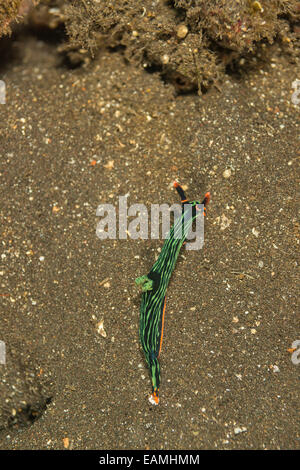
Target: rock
[(182, 31), (227, 173)]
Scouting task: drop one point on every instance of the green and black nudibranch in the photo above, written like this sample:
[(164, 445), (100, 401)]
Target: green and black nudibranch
[(154, 286)]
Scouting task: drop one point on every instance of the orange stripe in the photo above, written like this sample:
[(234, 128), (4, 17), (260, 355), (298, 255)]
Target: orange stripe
[(162, 329)]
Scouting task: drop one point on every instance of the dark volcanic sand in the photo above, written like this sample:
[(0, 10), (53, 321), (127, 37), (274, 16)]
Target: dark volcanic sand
[(228, 381)]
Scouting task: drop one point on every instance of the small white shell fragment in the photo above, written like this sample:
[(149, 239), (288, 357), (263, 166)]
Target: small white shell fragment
[(100, 329), (223, 221), (238, 430), (227, 173), (255, 232)]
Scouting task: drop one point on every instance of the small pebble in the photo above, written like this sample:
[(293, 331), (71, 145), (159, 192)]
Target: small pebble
[(182, 31), (100, 329), (165, 59), (66, 442), (238, 430), (109, 165), (227, 173)]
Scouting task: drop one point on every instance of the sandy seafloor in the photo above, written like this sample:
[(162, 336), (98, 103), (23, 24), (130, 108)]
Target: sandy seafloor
[(71, 139)]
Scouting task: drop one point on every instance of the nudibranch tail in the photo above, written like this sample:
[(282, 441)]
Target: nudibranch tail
[(154, 398)]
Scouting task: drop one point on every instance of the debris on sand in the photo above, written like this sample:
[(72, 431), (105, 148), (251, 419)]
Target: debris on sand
[(100, 329), (13, 11), (190, 43)]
